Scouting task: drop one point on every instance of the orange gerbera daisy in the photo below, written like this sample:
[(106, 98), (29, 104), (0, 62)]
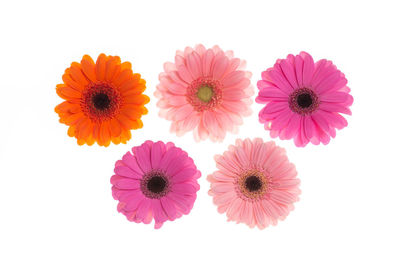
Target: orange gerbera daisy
[(103, 100)]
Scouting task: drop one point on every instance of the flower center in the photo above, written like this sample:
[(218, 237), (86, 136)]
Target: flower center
[(100, 101), (303, 101), (204, 93), (154, 184), (253, 183)]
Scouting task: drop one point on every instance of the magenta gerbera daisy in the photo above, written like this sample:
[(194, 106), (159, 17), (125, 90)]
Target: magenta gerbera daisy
[(304, 99), (205, 90), (255, 183), (156, 181)]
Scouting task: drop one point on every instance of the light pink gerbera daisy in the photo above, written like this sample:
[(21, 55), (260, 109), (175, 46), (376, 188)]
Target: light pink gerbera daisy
[(157, 181), (304, 99), (205, 90), (255, 183)]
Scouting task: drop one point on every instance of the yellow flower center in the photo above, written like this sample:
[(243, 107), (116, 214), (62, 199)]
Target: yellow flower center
[(205, 93)]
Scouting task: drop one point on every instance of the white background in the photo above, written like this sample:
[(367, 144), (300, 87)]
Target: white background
[(56, 207)]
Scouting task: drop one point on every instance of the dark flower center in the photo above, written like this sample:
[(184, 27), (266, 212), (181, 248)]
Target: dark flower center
[(253, 183), (101, 101), (304, 100), (156, 184)]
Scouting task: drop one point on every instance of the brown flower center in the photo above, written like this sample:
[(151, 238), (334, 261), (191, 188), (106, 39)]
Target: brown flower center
[(252, 185), (303, 101), (155, 185), (100, 101)]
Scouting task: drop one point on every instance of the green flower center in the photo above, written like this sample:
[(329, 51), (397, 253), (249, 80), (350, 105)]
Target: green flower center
[(205, 93)]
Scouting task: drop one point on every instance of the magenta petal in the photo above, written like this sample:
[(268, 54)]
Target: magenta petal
[(334, 107), (142, 154), (280, 81), (130, 161), (339, 97), (169, 208), (308, 68), (276, 106), (133, 200), (125, 172), (168, 157), (157, 151), (288, 70), (299, 63), (126, 183), (184, 188), (309, 127), (320, 121), (158, 212), (184, 175), (143, 209)]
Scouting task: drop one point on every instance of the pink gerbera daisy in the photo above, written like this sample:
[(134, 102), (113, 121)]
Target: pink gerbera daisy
[(157, 181), (304, 99), (205, 90), (255, 183)]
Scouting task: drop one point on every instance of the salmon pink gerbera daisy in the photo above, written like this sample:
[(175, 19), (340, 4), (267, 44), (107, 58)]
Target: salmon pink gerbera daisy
[(103, 100), (204, 90), (255, 183), (158, 181), (304, 99)]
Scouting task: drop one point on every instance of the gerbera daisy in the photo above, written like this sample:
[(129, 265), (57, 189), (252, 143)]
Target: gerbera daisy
[(103, 100), (204, 90), (255, 183), (303, 99), (157, 181)]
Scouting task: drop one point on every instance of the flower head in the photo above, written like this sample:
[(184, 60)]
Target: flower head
[(157, 181), (206, 91), (304, 99), (103, 100), (255, 183)]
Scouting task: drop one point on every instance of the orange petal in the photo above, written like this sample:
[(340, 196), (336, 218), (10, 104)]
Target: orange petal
[(138, 124), (132, 111), (71, 131), (137, 89), (112, 68), (67, 79), (84, 129), (101, 67), (137, 99), (88, 67), (123, 76), (67, 93), (81, 142), (126, 66), (115, 128), (116, 140), (105, 133), (96, 132), (125, 136), (66, 107), (126, 123), (90, 141), (77, 74), (74, 118)]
